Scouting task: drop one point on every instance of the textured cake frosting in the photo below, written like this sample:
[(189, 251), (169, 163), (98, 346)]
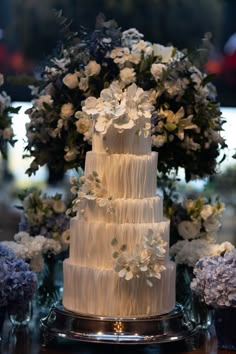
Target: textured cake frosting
[(127, 168)]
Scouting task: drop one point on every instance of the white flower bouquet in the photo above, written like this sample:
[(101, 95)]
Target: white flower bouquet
[(194, 225)]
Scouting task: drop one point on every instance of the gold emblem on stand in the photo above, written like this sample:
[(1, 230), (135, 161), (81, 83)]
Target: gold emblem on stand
[(118, 327)]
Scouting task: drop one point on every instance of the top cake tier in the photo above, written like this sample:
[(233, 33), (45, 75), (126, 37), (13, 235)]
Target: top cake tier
[(127, 142)]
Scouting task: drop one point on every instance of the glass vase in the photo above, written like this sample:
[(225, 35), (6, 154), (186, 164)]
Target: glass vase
[(2, 318), (197, 310), (20, 314), (49, 284), (225, 326)]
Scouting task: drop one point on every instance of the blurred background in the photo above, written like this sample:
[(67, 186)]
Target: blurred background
[(29, 33)]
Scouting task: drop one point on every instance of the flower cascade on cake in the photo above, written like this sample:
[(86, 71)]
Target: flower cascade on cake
[(119, 240), (145, 259)]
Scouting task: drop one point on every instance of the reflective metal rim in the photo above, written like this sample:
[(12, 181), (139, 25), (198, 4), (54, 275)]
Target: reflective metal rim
[(61, 323)]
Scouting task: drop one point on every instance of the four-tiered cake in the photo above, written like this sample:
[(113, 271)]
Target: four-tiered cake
[(119, 249)]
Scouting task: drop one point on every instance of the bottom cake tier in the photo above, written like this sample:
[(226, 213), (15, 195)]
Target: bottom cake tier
[(102, 292)]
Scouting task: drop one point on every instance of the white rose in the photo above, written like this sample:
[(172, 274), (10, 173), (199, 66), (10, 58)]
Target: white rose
[(212, 225), (166, 53), (83, 125), (157, 70), (1, 79), (92, 69), (188, 229), (52, 246), (127, 75), (206, 211), (8, 133), (67, 110), (44, 99), (71, 81)]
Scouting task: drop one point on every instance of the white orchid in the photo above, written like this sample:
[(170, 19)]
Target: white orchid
[(123, 109)]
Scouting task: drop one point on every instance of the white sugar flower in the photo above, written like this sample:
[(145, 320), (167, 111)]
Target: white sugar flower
[(71, 80), (122, 109), (144, 261)]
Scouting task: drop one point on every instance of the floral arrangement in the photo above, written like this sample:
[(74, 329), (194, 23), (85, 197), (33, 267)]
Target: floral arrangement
[(17, 283), (6, 131), (195, 224), (186, 119), (215, 280), (33, 249), (197, 218), (88, 188), (145, 261), (189, 252), (45, 215)]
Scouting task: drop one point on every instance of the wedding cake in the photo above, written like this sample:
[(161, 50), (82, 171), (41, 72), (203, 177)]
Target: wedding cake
[(119, 240)]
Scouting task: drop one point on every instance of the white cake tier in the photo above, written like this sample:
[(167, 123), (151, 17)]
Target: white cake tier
[(147, 210), (90, 243), (127, 142), (124, 176), (102, 292)]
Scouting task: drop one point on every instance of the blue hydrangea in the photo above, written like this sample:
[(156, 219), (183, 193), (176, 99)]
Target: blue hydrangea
[(215, 280), (17, 283)]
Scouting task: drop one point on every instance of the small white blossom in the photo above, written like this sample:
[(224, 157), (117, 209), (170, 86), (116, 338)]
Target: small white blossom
[(44, 99), (92, 69), (67, 110), (71, 80)]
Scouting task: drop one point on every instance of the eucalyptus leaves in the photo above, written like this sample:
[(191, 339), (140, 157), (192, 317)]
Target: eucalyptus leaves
[(144, 261)]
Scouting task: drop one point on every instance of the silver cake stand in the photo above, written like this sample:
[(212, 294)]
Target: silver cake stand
[(60, 323)]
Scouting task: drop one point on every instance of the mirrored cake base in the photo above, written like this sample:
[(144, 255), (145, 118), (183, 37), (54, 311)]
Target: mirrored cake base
[(61, 323)]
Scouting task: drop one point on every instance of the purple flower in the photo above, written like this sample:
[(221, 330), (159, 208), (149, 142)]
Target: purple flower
[(17, 283), (215, 280)]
